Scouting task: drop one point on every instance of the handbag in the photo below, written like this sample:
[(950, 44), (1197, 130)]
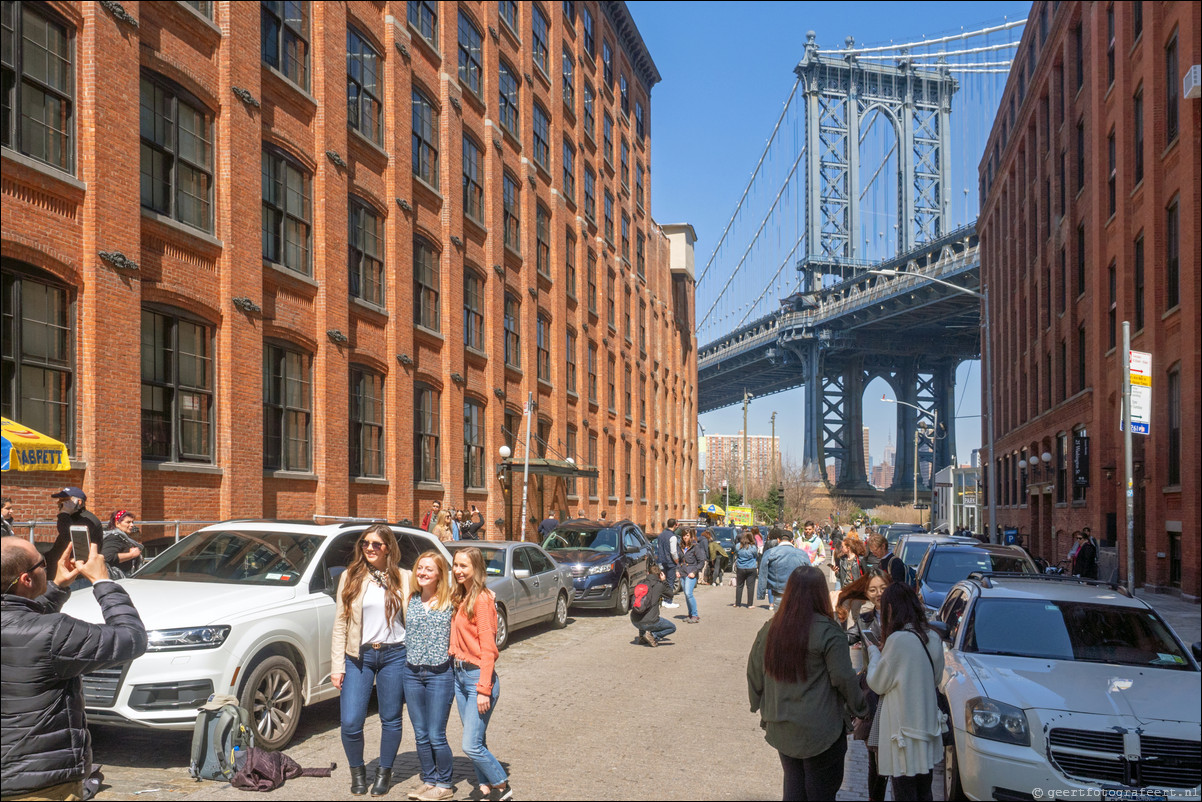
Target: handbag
[(949, 736)]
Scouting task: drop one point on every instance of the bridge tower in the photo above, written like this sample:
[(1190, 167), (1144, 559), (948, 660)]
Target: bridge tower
[(840, 95)]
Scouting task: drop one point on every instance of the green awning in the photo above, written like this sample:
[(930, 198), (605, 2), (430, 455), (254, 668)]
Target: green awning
[(552, 467)]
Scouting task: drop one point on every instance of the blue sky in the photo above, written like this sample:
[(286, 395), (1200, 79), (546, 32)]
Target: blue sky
[(727, 69)]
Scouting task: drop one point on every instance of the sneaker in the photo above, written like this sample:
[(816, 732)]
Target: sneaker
[(417, 792), (501, 794), (670, 605), (649, 639), (435, 794)]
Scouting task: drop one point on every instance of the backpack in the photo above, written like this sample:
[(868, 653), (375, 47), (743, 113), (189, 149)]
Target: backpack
[(221, 727), (642, 601)]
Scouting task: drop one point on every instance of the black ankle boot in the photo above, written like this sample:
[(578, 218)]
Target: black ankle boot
[(383, 782), (358, 780)]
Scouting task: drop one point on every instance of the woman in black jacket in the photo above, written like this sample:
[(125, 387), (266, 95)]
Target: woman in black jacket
[(1085, 564), (692, 564)]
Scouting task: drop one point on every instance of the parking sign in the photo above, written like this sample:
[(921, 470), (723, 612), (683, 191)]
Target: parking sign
[(1141, 392)]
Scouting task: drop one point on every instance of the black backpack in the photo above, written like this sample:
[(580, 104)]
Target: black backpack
[(222, 728)]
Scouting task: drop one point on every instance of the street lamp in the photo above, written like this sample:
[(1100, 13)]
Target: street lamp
[(987, 349), (934, 414)]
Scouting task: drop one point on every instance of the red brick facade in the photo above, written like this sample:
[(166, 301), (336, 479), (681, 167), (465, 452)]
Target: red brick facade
[(57, 223), (1074, 241)]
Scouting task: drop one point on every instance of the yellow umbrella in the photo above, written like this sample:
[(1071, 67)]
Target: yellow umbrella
[(23, 449), (711, 509)]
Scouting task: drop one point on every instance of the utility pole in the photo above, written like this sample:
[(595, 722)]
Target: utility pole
[(746, 398), (772, 446), (1128, 462)]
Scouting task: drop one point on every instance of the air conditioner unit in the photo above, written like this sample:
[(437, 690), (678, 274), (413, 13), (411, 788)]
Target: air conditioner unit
[(1192, 83)]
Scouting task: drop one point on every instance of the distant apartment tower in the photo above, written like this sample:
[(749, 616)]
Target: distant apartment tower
[(724, 456)]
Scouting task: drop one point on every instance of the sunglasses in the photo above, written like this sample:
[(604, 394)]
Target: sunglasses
[(39, 564), (372, 545)]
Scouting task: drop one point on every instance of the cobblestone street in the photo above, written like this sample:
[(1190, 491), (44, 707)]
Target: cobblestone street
[(583, 714)]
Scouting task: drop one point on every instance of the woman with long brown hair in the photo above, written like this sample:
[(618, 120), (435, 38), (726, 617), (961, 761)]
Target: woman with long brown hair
[(474, 653), (369, 648), (442, 527), (858, 608), (800, 679)]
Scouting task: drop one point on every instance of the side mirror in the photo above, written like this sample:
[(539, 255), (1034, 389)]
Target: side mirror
[(521, 573), (940, 628)]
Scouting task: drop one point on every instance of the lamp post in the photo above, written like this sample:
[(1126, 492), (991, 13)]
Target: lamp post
[(934, 414), (505, 476), (987, 353)]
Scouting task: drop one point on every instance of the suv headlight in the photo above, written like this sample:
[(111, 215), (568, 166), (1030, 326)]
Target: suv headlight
[(166, 640), (996, 721), (601, 569)]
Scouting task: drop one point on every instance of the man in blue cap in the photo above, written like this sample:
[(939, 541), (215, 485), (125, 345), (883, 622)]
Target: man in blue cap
[(72, 511)]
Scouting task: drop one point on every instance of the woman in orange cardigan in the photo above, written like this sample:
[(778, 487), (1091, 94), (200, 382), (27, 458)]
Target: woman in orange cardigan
[(474, 651)]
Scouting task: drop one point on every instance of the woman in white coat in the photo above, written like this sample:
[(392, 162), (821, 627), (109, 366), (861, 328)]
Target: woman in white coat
[(903, 671)]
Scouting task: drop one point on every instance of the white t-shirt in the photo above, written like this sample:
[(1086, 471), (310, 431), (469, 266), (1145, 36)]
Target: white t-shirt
[(375, 620)]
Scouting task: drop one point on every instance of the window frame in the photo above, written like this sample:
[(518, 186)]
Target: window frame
[(543, 348), (278, 352), (427, 466), (511, 222), (509, 94), (422, 16), (277, 11), (176, 453), (569, 171), (1172, 97), (592, 373), (372, 96), (363, 425), (425, 133), (177, 96), (473, 309), (540, 46), (542, 241), (570, 359), (541, 133), (427, 281), (569, 79), (359, 261), (1172, 254), (471, 55), (588, 109), (473, 444), (590, 194), (473, 189), (512, 328), (279, 160)]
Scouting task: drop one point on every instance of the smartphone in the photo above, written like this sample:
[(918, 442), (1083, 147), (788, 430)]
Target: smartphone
[(870, 636), (79, 543)]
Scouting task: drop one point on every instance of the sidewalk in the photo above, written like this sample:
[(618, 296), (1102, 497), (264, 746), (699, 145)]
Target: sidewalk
[(1184, 617)]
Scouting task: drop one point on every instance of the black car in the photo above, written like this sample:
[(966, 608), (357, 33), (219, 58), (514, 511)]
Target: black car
[(606, 560)]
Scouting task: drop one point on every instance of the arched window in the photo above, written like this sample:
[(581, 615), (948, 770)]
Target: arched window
[(177, 154), (425, 441), (177, 388), (366, 422)]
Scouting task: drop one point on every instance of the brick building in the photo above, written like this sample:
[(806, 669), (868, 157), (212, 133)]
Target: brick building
[(724, 457), (331, 248), (1090, 216)]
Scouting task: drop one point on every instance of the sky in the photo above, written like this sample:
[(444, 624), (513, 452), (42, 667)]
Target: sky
[(727, 69)]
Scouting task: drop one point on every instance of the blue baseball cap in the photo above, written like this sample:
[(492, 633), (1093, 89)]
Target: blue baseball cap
[(73, 492)]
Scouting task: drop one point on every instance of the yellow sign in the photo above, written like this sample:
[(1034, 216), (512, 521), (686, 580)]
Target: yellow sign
[(740, 516), (1142, 381)]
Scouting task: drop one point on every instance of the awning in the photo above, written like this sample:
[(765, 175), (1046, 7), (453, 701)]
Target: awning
[(710, 509), (551, 467), (23, 449)]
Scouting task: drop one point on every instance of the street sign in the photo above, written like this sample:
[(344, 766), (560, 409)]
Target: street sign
[(1141, 392), (921, 506), (970, 499)]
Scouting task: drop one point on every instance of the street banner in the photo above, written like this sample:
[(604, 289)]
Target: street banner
[(739, 516), (1080, 460)]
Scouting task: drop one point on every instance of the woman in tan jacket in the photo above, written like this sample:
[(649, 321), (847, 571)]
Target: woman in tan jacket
[(369, 648)]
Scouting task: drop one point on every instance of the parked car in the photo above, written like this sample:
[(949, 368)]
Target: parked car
[(606, 560), (893, 532), (1068, 686), (945, 564), (530, 586), (244, 608), (911, 547)]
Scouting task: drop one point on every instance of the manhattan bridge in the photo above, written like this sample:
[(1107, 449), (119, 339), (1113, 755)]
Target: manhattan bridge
[(828, 274)]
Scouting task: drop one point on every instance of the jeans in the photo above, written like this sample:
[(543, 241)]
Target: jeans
[(912, 789), (670, 577), (771, 600), (745, 577), (817, 777), (659, 629), (429, 692), (386, 667), (876, 783), (690, 583), (475, 727)]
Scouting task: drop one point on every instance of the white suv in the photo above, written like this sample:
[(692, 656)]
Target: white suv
[(243, 608), (1063, 687)]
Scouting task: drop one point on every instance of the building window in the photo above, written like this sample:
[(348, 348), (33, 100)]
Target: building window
[(638, 184), (473, 310), (511, 427), (642, 402), (473, 191), (1172, 91), (1062, 370), (640, 128), (569, 13), (610, 303), (366, 261), (177, 155), (626, 469), (613, 385), (592, 373), (590, 194), (613, 469), (1112, 310), (38, 355), (39, 85), (423, 18), (607, 138), (624, 164), (627, 393), (592, 282), (1061, 468), (203, 7), (640, 255), (624, 95), (588, 111), (508, 84), (1172, 254), (1137, 20), (362, 89), (609, 217), (1137, 112), (642, 473), (590, 41), (1110, 45), (543, 344), (569, 172), (513, 333), (592, 461), (626, 237), (570, 262), (642, 327), (542, 241), (1080, 259), (570, 452), (542, 127), (473, 444), (539, 27), (284, 28), (425, 446), (470, 53), (626, 328), (425, 284), (177, 389), (1062, 283), (287, 409), (366, 423), (1112, 176), (569, 80), (287, 213), (1081, 357), (607, 64), (1080, 155), (1139, 283), (425, 139), (510, 196), (1079, 36), (1174, 449), (509, 13), (570, 348)]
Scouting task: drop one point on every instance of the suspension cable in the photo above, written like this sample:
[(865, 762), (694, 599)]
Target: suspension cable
[(754, 173), (855, 51), (788, 257), (942, 53)]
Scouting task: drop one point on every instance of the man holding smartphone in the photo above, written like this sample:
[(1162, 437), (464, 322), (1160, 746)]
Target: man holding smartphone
[(72, 511)]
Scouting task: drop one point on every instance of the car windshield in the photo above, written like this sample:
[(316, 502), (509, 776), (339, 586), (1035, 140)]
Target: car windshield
[(1061, 630), (912, 552), (230, 556), (601, 540), (494, 558), (948, 567)]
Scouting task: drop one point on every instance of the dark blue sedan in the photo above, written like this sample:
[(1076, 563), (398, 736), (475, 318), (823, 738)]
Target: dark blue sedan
[(606, 560)]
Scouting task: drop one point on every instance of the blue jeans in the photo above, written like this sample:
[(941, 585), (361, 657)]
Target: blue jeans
[(475, 727), (386, 667), (689, 583), (771, 601), (659, 629), (428, 692)]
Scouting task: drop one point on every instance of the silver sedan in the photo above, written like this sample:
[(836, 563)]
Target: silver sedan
[(530, 586)]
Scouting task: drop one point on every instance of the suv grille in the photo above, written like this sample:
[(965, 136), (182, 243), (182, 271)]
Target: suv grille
[(1100, 756), (100, 687)]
